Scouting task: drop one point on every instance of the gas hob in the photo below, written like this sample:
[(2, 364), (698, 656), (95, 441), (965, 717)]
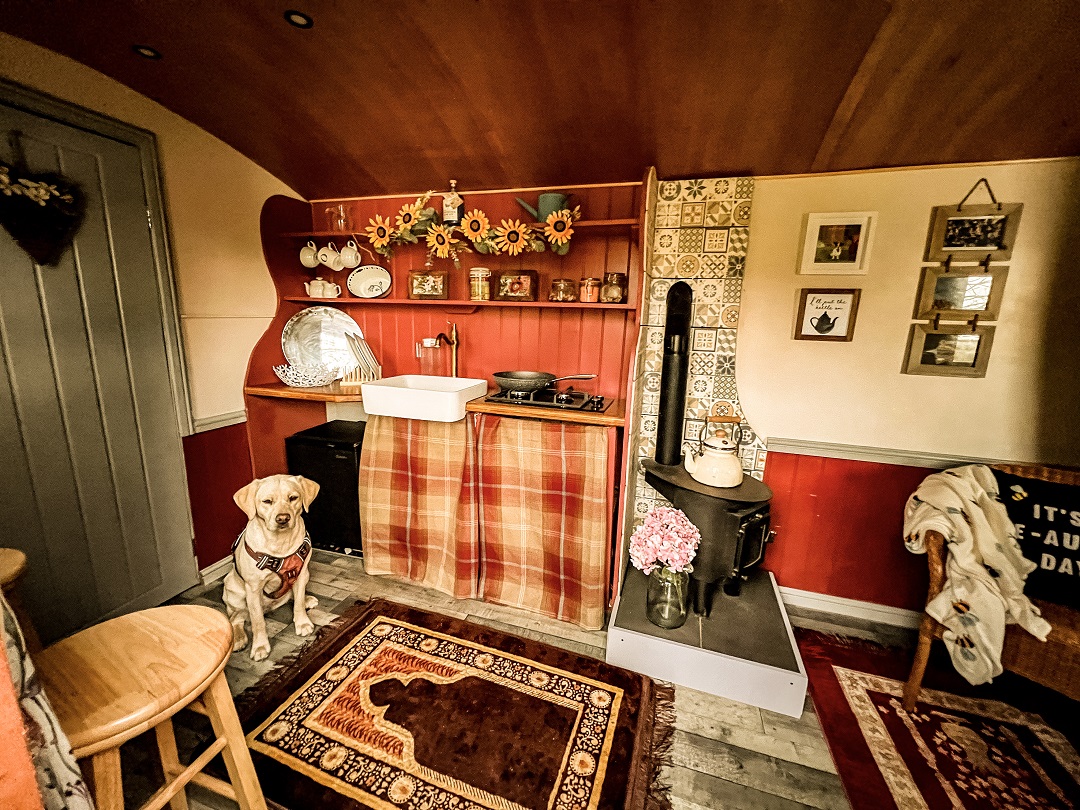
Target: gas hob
[(566, 399)]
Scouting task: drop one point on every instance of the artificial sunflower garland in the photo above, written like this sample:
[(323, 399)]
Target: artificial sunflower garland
[(512, 237)]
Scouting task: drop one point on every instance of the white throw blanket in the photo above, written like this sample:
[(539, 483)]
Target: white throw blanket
[(984, 567)]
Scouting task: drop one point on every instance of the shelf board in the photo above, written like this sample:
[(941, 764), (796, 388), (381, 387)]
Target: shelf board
[(409, 302), (581, 223), (324, 393)]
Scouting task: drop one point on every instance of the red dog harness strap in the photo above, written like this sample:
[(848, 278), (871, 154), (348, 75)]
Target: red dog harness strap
[(288, 568)]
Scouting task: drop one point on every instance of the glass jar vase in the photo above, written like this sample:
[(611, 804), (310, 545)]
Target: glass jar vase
[(665, 601)]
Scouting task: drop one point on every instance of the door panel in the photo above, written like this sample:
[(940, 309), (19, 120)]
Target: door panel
[(87, 414)]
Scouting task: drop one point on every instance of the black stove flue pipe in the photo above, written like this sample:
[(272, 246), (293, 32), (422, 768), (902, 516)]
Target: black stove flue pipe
[(673, 376)]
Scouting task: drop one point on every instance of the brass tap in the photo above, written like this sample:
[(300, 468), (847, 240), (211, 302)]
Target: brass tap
[(452, 342)]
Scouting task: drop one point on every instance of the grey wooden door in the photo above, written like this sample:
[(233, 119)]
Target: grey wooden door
[(91, 461)]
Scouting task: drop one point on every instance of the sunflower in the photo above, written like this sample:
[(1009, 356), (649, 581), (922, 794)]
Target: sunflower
[(476, 225), (558, 229), (379, 232), (406, 217), (512, 237), (441, 240)]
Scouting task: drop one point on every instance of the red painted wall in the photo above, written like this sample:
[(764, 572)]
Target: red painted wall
[(839, 529), (218, 463)]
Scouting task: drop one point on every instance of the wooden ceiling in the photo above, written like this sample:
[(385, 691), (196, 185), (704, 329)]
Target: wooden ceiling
[(401, 96)]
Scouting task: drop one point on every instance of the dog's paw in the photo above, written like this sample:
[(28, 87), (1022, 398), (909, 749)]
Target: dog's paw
[(310, 602), (240, 638), (260, 649), (304, 627)]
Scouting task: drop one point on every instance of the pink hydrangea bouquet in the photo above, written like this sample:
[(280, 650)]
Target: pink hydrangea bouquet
[(666, 538)]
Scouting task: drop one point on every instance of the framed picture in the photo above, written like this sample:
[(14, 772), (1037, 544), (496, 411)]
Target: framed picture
[(429, 284), (949, 351), (515, 285), (826, 314), (973, 233), (837, 244), (961, 293)]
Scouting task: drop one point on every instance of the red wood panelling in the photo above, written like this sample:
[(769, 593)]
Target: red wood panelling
[(839, 527), (218, 464)]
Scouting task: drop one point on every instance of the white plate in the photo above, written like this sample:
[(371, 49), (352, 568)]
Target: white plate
[(316, 337), (369, 281)]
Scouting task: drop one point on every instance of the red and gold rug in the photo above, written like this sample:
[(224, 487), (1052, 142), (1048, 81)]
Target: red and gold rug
[(952, 751), (401, 708)]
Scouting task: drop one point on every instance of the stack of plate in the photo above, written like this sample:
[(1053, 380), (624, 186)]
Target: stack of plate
[(368, 368)]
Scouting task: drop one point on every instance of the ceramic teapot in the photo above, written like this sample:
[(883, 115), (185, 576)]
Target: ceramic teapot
[(322, 289), (716, 462)]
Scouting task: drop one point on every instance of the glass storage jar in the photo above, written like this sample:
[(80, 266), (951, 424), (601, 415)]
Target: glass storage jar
[(563, 290)]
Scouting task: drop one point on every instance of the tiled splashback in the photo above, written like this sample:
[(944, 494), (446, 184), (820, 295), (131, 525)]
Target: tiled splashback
[(701, 229)]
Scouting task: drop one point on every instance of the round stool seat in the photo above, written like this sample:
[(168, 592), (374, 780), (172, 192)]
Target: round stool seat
[(113, 681), (12, 566)]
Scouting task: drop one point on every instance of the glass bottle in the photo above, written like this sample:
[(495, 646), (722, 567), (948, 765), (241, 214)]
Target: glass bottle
[(453, 206), (665, 601)]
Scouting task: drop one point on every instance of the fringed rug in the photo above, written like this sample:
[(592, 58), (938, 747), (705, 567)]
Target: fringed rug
[(952, 751), (393, 707)]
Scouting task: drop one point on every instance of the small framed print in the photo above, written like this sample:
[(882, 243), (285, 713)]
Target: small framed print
[(429, 284), (973, 233), (949, 351), (515, 285), (826, 314), (837, 244), (961, 293)]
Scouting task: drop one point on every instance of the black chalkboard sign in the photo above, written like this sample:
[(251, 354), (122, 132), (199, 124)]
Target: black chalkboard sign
[(1047, 518)]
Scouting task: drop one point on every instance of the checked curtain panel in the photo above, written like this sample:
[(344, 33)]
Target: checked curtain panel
[(511, 511)]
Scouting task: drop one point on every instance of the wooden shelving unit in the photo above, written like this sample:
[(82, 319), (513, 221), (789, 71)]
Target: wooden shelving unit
[(323, 393), (587, 224)]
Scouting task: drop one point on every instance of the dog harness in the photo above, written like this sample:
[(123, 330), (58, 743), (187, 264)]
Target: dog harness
[(288, 568)]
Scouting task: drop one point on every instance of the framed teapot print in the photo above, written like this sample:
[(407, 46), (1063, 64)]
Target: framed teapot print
[(826, 314)]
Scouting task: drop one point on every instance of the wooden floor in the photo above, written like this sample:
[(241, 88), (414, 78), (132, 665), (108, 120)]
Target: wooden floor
[(727, 754)]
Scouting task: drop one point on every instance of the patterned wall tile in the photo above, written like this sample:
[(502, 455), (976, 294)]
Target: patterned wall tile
[(738, 239), (664, 241), (668, 215), (702, 339), (691, 240), (693, 215), (713, 266), (733, 291), (716, 240)]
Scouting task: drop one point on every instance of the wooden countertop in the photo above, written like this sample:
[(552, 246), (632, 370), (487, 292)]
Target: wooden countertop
[(324, 393), (614, 416)]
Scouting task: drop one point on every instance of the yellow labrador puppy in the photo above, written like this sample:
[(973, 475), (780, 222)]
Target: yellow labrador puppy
[(270, 559)]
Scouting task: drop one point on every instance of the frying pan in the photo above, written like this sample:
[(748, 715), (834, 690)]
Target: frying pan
[(531, 380)]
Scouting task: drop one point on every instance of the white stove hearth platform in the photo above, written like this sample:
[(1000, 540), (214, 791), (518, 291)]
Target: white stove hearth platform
[(744, 651)]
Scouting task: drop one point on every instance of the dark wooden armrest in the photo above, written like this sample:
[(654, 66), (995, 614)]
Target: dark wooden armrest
[(935, 561)]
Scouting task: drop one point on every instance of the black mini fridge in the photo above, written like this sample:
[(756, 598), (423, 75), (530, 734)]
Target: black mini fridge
[(329, 454)]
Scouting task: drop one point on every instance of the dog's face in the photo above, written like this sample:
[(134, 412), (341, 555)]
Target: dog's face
[(277, 501)]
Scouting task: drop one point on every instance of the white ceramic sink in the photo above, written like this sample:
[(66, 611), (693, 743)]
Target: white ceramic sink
[(420, 396)]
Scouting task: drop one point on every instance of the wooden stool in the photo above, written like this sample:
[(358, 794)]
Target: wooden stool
[(111, 682), (12, 568)]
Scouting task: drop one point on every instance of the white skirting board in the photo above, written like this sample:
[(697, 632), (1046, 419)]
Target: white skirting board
[(767, 687), (839, 605), (216, 571)]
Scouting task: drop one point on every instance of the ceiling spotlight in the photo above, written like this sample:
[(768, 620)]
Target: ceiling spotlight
[(298, 19), (146, 52)]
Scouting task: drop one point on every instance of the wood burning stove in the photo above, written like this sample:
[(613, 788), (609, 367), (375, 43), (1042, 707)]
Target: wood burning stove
[(734, 526), (734, 521)]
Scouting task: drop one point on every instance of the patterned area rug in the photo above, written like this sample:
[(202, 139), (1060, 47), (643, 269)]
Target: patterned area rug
[(400, 708), (953, 751)]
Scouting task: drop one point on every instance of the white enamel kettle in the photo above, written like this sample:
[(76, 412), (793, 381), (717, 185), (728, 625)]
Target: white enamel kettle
[(716, 462)]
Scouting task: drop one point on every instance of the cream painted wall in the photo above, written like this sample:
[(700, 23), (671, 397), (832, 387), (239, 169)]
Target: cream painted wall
[(213, 196), (1026, 408)]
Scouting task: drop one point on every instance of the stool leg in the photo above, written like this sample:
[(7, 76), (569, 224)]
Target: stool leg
[(108, 786), (219, 705), (918, 666), (170, 760)]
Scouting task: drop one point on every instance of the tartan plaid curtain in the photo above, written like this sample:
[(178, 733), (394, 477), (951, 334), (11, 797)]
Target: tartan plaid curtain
[(515, 513)]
